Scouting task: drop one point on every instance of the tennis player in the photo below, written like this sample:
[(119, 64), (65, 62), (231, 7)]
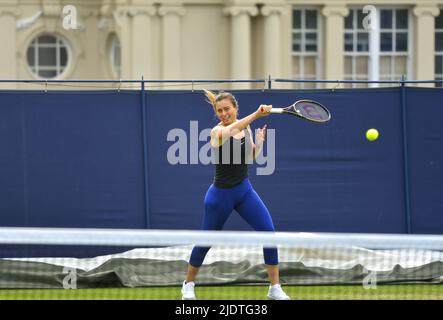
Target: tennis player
[(232, 190)]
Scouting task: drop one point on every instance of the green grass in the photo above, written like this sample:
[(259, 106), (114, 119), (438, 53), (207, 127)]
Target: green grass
[(355, 292)]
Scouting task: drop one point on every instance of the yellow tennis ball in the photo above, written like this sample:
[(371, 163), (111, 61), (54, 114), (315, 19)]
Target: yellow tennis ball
[(372, 134)]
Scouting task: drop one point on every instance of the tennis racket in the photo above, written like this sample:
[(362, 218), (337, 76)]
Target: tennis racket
[(306, 109)]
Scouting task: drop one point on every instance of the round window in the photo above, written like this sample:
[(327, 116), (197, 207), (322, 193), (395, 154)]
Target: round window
[(48, 56)]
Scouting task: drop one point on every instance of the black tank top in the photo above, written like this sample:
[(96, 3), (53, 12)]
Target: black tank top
[(231, 157)]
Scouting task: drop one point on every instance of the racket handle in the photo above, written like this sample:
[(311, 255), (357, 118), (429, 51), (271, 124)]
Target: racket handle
[(276, 110)]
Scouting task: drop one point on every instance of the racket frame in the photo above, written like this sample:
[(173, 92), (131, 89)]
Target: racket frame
[(292, 110)]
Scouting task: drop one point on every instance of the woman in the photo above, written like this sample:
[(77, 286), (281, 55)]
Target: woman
[(231, 189)]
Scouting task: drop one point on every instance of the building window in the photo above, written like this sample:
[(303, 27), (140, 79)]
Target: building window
[(394, 43), (115, 56), (356, 48), (47, 56), (305, 45), (439, 49)]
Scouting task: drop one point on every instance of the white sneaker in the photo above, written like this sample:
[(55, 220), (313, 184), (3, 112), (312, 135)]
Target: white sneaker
[(276, 293), (188, 291)]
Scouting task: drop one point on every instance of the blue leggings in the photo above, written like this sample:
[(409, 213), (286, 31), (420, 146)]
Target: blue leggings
[(242, 198)]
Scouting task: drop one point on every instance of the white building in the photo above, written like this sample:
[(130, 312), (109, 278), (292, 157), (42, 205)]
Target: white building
[(220, 39)]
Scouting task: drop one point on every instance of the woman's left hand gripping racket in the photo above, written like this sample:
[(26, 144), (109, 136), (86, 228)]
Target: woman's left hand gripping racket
[(306, 109)]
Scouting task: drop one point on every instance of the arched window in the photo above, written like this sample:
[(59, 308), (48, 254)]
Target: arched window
[(439, 49), (115, 55)]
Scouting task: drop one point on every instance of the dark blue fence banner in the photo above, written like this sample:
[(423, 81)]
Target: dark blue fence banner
[(425, 154), (317, 178), (77, 159), (71, 160)]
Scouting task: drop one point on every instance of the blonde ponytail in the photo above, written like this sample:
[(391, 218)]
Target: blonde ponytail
[(211, 97)]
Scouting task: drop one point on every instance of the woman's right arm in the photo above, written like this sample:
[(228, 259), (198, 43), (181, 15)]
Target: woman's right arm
[(220, 134)]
